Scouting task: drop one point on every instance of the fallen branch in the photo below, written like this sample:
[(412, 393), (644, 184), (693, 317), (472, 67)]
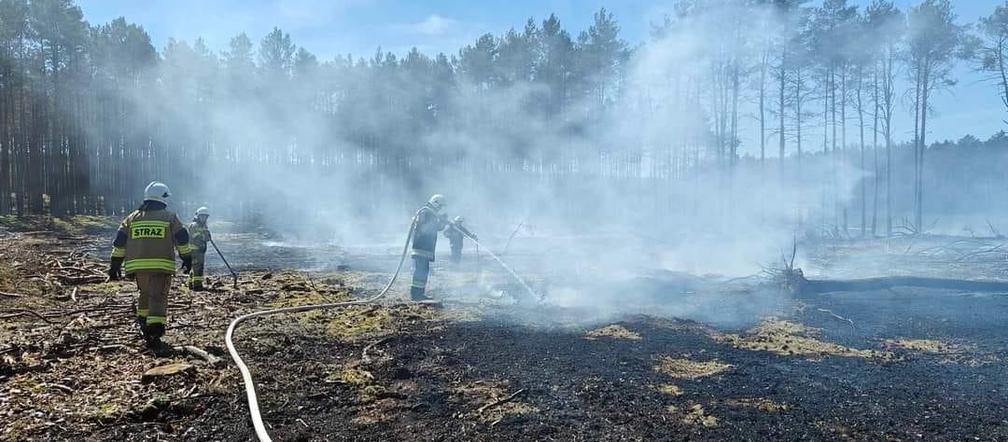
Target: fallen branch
[(198, 352), (994, 231), (77, 280), (21, 312), (63, 388), (78, 269), (870, 284), (500, 401), (980, 252), (12, 295), (513, 233), (308, 278)]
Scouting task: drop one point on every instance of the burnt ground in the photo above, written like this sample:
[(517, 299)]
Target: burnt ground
[(904, 364)]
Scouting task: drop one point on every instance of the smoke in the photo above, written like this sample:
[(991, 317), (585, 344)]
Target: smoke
[(645, 174)]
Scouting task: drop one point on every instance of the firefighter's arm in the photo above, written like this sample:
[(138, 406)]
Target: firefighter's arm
[(119, 250), (181, 236)]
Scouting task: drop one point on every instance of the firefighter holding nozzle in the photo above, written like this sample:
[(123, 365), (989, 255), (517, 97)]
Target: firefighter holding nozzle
[(457, 232), (431, 220)]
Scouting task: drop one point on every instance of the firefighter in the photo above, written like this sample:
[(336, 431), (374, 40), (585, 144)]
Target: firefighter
[(199, 237), (429, 221), (456, 232), (145, 247)]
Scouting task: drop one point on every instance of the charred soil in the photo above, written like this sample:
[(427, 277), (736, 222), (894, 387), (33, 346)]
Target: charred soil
[(921, 364)]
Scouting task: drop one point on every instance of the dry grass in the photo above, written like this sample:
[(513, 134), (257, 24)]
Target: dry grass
[(354, 376), (479, 393), (761, 404), (688, 369), (694, 415), (669, 389), (614, 331), (792, 339), (920, 345)]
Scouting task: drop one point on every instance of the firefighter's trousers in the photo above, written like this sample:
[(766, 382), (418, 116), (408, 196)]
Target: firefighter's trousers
[(152, 307), (421, 271), (198, 265)]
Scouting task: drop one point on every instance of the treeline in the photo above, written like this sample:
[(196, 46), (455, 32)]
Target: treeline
[(89, 113)]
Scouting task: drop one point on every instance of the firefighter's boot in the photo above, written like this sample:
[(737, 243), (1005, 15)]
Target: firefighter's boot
[(417, 294), (152, 337)]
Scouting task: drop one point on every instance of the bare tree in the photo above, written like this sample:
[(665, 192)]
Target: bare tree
[(993, 49), (934, 43)]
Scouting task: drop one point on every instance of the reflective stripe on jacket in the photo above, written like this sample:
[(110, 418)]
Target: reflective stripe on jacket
[(149, 239), (199, 236)]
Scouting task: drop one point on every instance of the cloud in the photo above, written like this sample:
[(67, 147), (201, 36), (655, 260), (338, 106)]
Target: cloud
[(433, 25)]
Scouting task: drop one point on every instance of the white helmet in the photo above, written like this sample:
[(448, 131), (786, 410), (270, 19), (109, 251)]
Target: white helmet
[(156, 191), (459, 220), (202, 211), (437, 202)]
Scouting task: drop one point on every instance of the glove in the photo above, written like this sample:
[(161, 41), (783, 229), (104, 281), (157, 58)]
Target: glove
[(186, 263), (115, 269)]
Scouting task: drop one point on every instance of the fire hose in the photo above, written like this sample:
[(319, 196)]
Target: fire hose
[(250, 392)]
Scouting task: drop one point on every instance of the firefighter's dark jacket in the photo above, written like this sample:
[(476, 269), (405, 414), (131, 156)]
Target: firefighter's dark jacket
[(455, 233), (428, 224)]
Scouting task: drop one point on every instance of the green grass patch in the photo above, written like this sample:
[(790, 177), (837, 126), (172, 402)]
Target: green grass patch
[(74, 225)]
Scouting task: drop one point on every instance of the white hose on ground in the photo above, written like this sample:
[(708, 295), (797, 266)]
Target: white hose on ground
[(250, 392), (253, 401)]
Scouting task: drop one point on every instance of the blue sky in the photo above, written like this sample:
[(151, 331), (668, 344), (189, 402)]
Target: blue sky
[(328, 28)]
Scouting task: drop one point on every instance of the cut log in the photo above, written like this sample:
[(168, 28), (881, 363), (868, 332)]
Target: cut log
[(166, 370)]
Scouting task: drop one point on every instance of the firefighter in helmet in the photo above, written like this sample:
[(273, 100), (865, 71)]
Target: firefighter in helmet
[(145, 247), (429, 222), (456, 232), (199, 238)]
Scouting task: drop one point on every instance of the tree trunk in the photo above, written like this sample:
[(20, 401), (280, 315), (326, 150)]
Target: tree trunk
[(798, 115), (783, 77), (919, 214), (762, 110), (875, 130), (864, 183), (916, 142)]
